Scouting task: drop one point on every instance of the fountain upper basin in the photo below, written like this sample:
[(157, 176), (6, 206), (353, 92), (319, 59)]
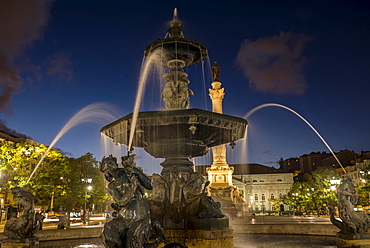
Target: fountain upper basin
[(181, 132), (188, 51)]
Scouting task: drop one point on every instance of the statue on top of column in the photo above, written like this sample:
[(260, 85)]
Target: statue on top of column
[(216, 71)]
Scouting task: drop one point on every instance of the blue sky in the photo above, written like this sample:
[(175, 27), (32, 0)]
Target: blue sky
[(57, 57)]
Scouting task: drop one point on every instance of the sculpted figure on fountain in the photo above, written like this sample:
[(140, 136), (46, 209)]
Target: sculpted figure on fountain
[(131, 225), (351, 221), (24, 226), (157, 202), (176, 92), (198, 203)]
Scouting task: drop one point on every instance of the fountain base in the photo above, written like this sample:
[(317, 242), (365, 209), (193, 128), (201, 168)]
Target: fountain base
[(353, 240), (199, 238), (22, 243)]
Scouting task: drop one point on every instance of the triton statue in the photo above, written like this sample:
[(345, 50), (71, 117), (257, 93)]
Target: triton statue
[(131, 226), (24, 226)]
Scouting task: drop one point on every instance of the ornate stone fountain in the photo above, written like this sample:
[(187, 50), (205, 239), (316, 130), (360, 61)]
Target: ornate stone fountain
[(179, 199)]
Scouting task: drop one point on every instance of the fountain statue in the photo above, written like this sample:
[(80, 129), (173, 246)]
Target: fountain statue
[(21, 228), (131, 225), (179, 201), (353, 224)]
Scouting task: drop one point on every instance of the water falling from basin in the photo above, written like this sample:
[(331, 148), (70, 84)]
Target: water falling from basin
[(96, 113), (145, 69), (294, 112)]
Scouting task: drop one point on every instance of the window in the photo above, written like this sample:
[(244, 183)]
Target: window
[(255, 197), (281, 196), (279, 180), (254, 181), (263, 197), (272, 197), (262, 180)]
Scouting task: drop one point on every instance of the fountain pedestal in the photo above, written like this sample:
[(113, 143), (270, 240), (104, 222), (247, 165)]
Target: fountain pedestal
[(353, 240), (20, 243), (199, 238)]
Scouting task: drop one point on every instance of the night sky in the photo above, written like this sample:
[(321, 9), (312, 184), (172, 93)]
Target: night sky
[(57, 57)]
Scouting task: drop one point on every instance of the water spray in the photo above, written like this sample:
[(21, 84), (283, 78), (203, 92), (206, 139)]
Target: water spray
[(294, 112), (95, 112)]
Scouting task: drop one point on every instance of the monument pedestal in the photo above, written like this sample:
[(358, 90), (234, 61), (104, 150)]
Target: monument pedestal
[(20, 243)]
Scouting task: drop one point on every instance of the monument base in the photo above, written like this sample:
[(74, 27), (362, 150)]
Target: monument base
[(353, 240), (22, 243)]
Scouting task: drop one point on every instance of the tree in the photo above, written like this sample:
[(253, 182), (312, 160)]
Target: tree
[(81, 173), (297, 198), (323, 194), (58, 176), (363, 190), (17, 161), (315, 194)]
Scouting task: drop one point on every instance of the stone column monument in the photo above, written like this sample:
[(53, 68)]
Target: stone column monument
[(220, 173)]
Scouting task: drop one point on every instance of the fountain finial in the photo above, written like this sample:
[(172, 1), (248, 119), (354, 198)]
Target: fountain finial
[(175, 14), (175, 31)]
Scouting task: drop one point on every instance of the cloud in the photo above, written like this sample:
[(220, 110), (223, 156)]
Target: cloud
[(267, 152), (59, 67), (21, 23), (275, 64), (10, 80), (4, 128)]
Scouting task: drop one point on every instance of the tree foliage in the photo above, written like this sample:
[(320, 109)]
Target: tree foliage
[(315, 194), (58, 176), (363, 191), (83, 172), (17, 161)]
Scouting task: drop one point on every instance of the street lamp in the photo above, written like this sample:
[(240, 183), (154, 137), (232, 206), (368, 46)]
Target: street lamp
[(89, 188)]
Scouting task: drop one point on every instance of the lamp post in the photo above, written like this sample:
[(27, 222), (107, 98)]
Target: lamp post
[(85, 209)]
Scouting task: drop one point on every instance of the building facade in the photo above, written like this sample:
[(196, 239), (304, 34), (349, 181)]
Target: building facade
[(262, 187)]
